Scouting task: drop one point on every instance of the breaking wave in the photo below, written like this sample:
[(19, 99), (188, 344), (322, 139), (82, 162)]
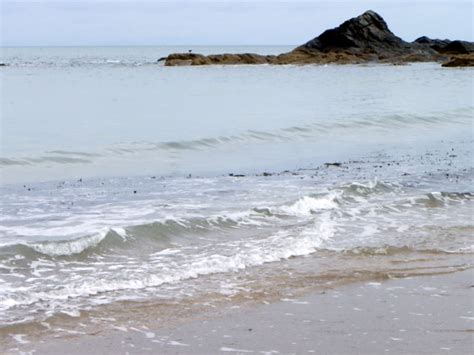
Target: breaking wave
[(132, 259), (163, 234)]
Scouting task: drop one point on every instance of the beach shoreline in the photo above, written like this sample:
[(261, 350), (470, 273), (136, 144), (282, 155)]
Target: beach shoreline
[(425, 314), (312, 299)]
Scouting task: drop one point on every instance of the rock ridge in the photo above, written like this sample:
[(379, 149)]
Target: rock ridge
[(362, 39)]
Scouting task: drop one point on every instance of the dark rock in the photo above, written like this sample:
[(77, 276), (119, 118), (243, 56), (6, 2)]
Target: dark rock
[(430, 41), (436, 44), (458, 47), (367, 33), (446, 46), (178, 59), (333, 164), (364, 38)]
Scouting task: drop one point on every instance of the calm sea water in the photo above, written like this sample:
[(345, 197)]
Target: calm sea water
[(124, 180)]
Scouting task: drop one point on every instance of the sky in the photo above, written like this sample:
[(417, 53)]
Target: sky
[(225, 22)]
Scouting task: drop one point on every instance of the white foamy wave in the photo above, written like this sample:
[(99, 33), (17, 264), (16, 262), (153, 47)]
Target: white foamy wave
[(70, 247), (309, 205), (159, 269), (121, 232), (465, 250)]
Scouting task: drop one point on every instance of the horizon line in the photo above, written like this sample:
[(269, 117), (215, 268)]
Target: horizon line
[(145, 45)]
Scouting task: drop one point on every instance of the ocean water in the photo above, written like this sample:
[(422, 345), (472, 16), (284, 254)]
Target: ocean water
[(127, 182)]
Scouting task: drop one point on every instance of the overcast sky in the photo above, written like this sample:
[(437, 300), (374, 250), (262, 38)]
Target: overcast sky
[(225, 22)]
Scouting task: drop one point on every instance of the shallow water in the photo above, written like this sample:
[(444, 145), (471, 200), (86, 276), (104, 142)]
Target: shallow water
[(72, 113), (129, 181)]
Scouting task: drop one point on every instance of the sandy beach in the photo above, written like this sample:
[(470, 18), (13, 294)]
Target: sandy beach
[(297, 178), (420, 315)]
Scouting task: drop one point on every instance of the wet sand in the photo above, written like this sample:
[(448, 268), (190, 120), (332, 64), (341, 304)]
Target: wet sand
[(419, 315)]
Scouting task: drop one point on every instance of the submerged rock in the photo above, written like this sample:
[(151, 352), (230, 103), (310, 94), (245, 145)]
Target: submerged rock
[(364, 38), (338, 165), (199, 59)]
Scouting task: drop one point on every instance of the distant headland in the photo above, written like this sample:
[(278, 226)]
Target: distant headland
[(362, 39)]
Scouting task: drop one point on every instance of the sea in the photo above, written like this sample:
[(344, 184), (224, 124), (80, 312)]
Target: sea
[(131, 191)]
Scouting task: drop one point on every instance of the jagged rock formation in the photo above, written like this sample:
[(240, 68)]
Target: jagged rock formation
[(446, 46), (361, 39), (367, 33), (457, 47)]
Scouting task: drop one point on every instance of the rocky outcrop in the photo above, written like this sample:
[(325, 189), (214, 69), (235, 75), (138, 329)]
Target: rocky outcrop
[(368, 38), (364, 34), (365, 38), (435, 44), (199, 59), (457, 47), (446, 46), (463, 60), (297, 56), (431, 42)]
